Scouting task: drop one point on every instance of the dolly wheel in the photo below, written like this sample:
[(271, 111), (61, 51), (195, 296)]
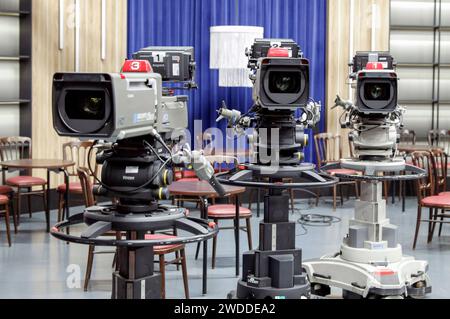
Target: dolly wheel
[(231, 295), (320, 290), (418, 285)]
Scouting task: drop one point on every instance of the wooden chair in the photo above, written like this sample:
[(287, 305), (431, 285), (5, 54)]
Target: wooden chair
[(228, 211), (160, 251), (427, 197), (328, 151), (17, 148), (4, 203), (408, 137), (441, 173), (180, 258), (77, 152), (441, 162), (8, 192), (440, 138)]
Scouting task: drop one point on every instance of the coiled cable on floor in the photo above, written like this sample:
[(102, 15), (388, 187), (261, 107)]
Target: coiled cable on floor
[(315, 220)]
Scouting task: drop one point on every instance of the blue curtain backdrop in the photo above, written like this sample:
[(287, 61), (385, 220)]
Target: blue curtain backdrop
[(187, 23)]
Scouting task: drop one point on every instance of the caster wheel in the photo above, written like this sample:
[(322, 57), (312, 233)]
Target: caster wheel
[(350, 295), (320, 290), (418, 285), (231, 295)]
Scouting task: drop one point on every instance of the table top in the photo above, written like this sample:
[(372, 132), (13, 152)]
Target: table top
[(38, 163), (201, 188)]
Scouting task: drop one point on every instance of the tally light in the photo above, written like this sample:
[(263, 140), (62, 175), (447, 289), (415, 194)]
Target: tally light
[(228, 45)]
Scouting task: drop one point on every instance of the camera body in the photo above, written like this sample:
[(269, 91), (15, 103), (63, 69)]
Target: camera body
[(281, 87), (131, 111), (115, 107), (281, 83), (174, 64), (375, 117), (280, 74), (377, 83)]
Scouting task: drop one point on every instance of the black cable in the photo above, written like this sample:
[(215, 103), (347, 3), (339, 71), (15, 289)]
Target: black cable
[(318, 220), (154, 151)]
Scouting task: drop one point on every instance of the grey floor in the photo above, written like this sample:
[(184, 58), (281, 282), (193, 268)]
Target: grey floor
[(41, 267)]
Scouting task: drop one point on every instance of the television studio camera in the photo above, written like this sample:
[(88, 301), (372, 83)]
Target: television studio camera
[(136, 123), (370, 263), (281, 88)]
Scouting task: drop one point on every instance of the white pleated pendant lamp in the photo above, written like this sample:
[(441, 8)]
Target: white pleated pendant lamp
[(228, 45)]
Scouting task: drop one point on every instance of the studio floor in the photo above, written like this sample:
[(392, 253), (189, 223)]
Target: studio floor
[(38, 266)]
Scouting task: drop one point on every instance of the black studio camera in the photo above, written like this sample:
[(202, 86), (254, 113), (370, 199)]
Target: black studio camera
[(281, 87), (377, 82), (280, 74)]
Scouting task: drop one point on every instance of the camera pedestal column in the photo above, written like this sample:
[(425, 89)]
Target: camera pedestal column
[(135, 278), (371, 262), (274, 271)]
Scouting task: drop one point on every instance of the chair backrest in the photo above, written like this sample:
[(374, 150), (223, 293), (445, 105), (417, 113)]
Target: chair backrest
[(78, 152), (351, 145), (440, 138), (218, 161), (328, 148), (86, 185), (426, 185), (15, 148), (408, 137), (441, 169), (205, 142)]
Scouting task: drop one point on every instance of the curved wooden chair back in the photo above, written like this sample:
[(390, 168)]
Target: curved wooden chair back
[(218, 161), (426, 185), (15, 148), (441, 170), (440, 138), (328, 148), (86, 185), (408, 137), (78, 152)]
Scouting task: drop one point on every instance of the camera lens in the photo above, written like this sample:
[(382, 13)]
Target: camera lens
[(85, 105), (377, 91), (285, 82)]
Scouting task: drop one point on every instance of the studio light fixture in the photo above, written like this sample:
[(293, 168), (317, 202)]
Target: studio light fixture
[(228, 44)]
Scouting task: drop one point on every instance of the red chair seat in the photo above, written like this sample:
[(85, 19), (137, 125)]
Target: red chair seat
[(5, 190), (73, 188), (342, 171), (4, 200), (178, 175), (25, 181), (228, 211), (162, 249), (436, 201), (444, 194), (189, 174), (188, 180)]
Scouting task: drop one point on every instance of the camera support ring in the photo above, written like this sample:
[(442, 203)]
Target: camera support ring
[(414, 172), (57, 232)]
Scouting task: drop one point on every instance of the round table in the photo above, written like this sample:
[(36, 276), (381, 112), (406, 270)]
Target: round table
[(203, 191), (51, 165)]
